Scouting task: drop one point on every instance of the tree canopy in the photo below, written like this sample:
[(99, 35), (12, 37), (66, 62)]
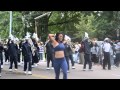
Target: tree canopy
[(99, 24)]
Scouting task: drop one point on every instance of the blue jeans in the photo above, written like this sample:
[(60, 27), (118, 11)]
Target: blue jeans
[(60, 63), (76, 55), (41, 56)]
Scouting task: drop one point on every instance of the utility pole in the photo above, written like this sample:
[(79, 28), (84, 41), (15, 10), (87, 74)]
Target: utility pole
[(10, 30)]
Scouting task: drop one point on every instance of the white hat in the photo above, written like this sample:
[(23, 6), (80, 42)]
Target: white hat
[(35, 36), (67, 38), (106, 39), (27, 35), (86, 35)]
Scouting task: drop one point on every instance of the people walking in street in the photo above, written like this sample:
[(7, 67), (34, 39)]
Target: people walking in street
[(49, 54), (117, 49), (59, 56), (106, 50), (94, 52), (13, 52), (1, 54), (87, 52), (27, 53)]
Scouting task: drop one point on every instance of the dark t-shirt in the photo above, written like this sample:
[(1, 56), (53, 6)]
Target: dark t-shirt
[(49, 48)]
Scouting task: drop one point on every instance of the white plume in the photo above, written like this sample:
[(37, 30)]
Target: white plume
[(86, 35), (67, 38), (35, 36)]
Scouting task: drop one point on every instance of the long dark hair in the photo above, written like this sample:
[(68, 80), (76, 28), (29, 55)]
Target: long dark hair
[(57, 37)]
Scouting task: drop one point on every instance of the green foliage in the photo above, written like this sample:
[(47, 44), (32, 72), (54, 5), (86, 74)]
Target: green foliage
[(99, 24)]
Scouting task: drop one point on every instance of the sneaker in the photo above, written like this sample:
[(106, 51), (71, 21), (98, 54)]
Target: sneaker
[(73, 67), (25, 72), (10, 70), (15, 69), (84, 69), (0, 74), (68, 71), (19, 64), (29, 73), (33, 66), (48, 68), (90, 69), (1, 66), (36, 65), (52, 68)]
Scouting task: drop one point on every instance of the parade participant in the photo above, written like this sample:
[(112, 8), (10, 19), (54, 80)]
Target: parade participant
[(13, 52), (27, 53), (6, 53), (94, 52), (81, 51), (117, 49), (106, 50), (49, 52), (59, 57), (35, 50), (1, 54), (87, 52), (41, 50), (70, 52)]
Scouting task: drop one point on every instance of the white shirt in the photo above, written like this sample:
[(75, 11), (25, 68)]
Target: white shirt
[(77, 47), (106, 47)]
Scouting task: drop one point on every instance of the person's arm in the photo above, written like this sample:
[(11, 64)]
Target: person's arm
[(52, 38)]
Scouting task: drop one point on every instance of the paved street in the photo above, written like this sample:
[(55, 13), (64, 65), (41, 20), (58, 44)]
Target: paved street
[(40, 72)]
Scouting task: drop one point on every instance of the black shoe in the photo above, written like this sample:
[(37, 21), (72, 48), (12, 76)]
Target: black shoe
[(104, 69)]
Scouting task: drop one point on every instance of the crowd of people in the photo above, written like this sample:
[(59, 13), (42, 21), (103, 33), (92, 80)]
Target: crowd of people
[(59, 50)]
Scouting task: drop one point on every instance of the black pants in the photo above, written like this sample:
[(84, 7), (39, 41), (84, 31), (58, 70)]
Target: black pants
[(13, 59), (87, 60), (67, 60), (6, 57), (106, 60), (19, 58), (49, 58), (117, 59), (71, 58), (28, 63), (1, 58), (94, 58)]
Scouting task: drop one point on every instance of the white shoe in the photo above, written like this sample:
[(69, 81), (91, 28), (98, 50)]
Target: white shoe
[(36, 65), (25, 72), (19, 64), (90, 69), (48, 68), (84, 69), (15, 69), (10, 70), (68, 71), (29, 73), (33, 66), (1, 66), (73, 67), (52, 68), (0, 74)]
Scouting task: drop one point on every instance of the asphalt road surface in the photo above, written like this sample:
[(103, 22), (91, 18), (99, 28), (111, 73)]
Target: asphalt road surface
[(40, 72)]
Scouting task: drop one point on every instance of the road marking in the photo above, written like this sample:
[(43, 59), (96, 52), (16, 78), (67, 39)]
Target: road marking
[(41, 76), (34, 75)]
